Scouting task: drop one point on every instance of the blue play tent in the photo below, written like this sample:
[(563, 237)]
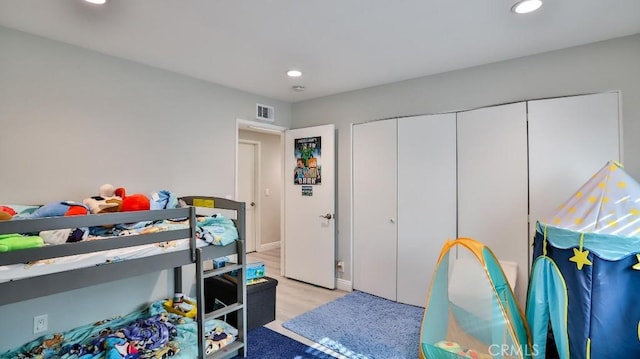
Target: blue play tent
[(471, 310), (586, 272)]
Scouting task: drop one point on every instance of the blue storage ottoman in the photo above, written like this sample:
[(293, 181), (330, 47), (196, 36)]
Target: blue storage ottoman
[(261, 299)]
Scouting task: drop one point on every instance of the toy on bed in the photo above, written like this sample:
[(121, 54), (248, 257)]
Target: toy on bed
[(134, 202), (14, 241), (7, 213), (111, 199), (59, 209), (106, 201)]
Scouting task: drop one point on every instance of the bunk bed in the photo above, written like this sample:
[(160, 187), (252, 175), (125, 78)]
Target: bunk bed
[(189, 251)]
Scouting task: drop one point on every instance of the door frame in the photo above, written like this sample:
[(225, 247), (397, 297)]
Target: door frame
[(256, 126), (256, 191)]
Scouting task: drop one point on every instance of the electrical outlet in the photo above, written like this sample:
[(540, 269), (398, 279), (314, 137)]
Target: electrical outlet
[(340, 266), (40, 323)]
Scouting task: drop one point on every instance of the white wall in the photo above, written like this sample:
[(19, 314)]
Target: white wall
[(598, 67), (270, 178), (73, 119)]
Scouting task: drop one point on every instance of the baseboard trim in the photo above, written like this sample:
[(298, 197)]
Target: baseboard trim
[(269, 246), (345, 285)]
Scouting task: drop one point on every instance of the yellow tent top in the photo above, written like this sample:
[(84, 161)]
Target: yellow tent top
[(608, 203)]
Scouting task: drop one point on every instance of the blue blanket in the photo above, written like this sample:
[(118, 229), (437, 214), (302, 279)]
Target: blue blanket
[(146, 333)]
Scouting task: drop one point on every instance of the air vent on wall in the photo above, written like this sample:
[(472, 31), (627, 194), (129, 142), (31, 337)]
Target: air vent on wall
[(265, 113)]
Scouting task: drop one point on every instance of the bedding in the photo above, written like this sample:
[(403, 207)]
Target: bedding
[(152, 332), (156, 334), (213, 230)]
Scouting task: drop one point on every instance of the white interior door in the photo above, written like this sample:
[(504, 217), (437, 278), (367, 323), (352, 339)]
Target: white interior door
[(426, 199), (493, 183), (248, 154), (570, 138), (374, 193), (309, 205)]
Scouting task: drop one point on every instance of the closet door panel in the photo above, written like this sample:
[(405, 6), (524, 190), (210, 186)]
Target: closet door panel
[(570, 138), (374, 191), (426, 199), (493, 181)]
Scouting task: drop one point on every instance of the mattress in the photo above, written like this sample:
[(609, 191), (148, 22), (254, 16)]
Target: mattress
[(55, 265), (217, 230)]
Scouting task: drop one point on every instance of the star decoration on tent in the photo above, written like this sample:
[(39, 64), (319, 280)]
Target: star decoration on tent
[(637, 265), (580, 258)]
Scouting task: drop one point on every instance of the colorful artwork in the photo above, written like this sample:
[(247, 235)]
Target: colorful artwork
[(307, 152)]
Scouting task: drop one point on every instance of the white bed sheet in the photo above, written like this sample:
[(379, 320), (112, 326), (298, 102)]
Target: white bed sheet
[(55, 265)]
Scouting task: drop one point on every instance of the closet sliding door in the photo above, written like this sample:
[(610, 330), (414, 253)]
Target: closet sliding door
[(493, 181), (571, 138), (426, 199), (374, 190)]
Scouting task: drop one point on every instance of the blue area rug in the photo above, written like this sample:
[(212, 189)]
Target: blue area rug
[(264, 343), (361, 325)]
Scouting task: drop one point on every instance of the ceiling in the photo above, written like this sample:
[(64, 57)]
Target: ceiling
[(340, 45)]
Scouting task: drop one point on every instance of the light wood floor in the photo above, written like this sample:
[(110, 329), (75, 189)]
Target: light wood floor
[(292, 297)]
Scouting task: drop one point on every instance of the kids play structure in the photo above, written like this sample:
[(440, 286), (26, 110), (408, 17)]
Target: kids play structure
[(471, 310), (586, 272)]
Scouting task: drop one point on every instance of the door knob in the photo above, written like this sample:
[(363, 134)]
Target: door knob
[(253, 204), (326, 216)]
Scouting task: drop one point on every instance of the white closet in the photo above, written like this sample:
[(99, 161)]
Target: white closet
[(492, 182), (488, 174), (374, 207), (570, 139), (404, 203)]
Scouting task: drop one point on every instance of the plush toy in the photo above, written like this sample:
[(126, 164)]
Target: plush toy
[(77, 210), (134, 202), (6, 213), (58, 209), (14, 241), (105, 202)]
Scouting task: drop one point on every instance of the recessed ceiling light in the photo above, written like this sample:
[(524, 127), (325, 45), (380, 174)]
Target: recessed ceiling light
[(294, 73), (97, 2), (526, 6)]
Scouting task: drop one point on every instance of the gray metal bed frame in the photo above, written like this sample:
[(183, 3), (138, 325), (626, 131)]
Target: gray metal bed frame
[(33, 287)]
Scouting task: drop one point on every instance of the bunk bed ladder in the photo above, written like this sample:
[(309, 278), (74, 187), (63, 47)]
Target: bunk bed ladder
[(239, 346)]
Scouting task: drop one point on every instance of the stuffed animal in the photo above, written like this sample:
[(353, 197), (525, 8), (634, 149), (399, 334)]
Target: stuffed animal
[(6, 213), (14, 241), (58, 209), (105, 202), (134, 202)]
